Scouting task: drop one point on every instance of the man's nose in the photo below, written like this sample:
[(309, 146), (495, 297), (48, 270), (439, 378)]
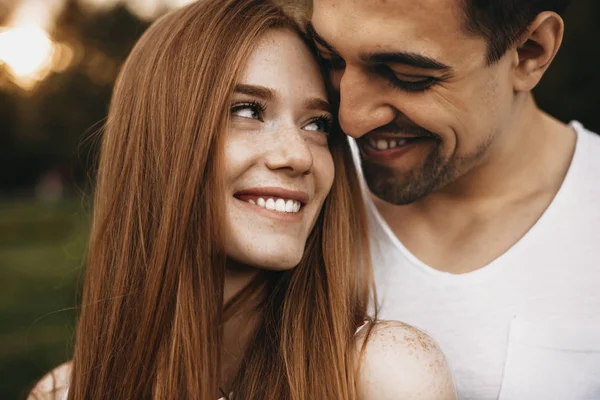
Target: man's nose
[(363, 106)]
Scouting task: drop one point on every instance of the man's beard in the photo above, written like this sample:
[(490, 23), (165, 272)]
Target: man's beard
[(401, 188)]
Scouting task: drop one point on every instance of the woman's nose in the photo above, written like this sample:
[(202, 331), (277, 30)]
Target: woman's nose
[(290, 151)]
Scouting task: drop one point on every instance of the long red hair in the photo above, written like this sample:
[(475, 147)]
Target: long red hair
[(152, 309)]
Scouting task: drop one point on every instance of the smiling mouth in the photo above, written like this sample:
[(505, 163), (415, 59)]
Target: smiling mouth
[(384, 144), (275, 201), (276, 204)]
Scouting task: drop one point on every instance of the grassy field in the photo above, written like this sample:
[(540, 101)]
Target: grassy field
[(41, 259)]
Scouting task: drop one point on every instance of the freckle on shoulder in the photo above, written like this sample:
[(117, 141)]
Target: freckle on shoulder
[(401, 359), (396, 332)]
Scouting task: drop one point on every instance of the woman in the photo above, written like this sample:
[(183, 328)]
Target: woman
[(228, 250)]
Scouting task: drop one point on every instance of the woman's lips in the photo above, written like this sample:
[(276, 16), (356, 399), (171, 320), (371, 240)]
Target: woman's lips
[(274, 202), (275, 192), (272, 208)]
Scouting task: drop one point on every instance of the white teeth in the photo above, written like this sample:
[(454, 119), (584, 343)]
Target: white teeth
[(382, 144), (290, 206), (270, 205), (279, 205)]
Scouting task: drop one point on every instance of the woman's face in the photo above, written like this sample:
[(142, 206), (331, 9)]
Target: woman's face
[(277, 162)]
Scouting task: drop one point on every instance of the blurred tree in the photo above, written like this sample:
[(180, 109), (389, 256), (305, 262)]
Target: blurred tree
[(8, 123), (5, 9), (47, 128)]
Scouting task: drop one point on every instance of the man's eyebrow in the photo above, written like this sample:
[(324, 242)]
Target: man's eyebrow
[(256, 91), (310, 31), (411, 59), (408, 58)]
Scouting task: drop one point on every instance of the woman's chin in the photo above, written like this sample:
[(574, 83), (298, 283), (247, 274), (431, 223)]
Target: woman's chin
[(279, 262), (274, 261)]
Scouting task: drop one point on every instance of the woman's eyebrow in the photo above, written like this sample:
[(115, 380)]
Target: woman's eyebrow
[(317, 104), (255, 91), (264, 93)]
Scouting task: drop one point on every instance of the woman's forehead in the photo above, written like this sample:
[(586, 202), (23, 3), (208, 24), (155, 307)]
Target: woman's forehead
[(283, 63)]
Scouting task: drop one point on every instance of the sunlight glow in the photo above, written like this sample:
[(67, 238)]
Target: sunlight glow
[(146, 9), (27, 53), (179, 3), (40, 13), (99, 5)]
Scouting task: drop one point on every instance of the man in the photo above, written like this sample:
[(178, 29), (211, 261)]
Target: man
[(485, 211)]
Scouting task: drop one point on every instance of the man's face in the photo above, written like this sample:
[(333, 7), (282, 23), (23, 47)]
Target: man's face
[(415, 90)]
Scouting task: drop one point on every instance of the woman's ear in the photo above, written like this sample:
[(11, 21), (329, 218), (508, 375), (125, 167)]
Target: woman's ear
[(536, 48)]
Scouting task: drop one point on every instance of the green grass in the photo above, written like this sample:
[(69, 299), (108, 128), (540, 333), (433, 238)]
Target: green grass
[(41, 258)]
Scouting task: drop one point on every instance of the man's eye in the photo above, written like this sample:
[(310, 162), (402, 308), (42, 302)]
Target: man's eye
[(319, 124), (406, 82), (412, 78), (415, 84), (251, 110), (409, 83)]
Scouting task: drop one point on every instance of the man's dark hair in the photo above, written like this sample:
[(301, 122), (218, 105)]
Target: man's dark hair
[(501, 22)]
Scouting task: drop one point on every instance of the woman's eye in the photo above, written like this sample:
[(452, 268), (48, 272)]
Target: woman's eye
[(321, 124), (248, 111)]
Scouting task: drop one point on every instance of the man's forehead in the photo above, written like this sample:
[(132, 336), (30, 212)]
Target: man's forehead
[(391, 7), (432, 28), (394, 19)]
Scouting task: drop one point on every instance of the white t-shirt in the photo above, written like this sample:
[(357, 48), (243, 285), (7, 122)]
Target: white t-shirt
[(526, 326)]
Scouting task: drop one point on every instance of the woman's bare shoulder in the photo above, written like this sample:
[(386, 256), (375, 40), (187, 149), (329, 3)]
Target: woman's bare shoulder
[(54, 385), (401, 361)]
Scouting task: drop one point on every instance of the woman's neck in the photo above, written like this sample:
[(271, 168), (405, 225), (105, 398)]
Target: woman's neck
[(241, 322), (237, 277)]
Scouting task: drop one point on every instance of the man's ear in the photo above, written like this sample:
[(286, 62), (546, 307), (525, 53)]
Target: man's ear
[(535, 50)]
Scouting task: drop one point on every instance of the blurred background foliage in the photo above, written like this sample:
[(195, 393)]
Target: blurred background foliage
[(58, 62)]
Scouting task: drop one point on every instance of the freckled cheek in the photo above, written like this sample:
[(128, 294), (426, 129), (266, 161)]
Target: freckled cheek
[(324, 172), (239, 156), (323, 176)]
